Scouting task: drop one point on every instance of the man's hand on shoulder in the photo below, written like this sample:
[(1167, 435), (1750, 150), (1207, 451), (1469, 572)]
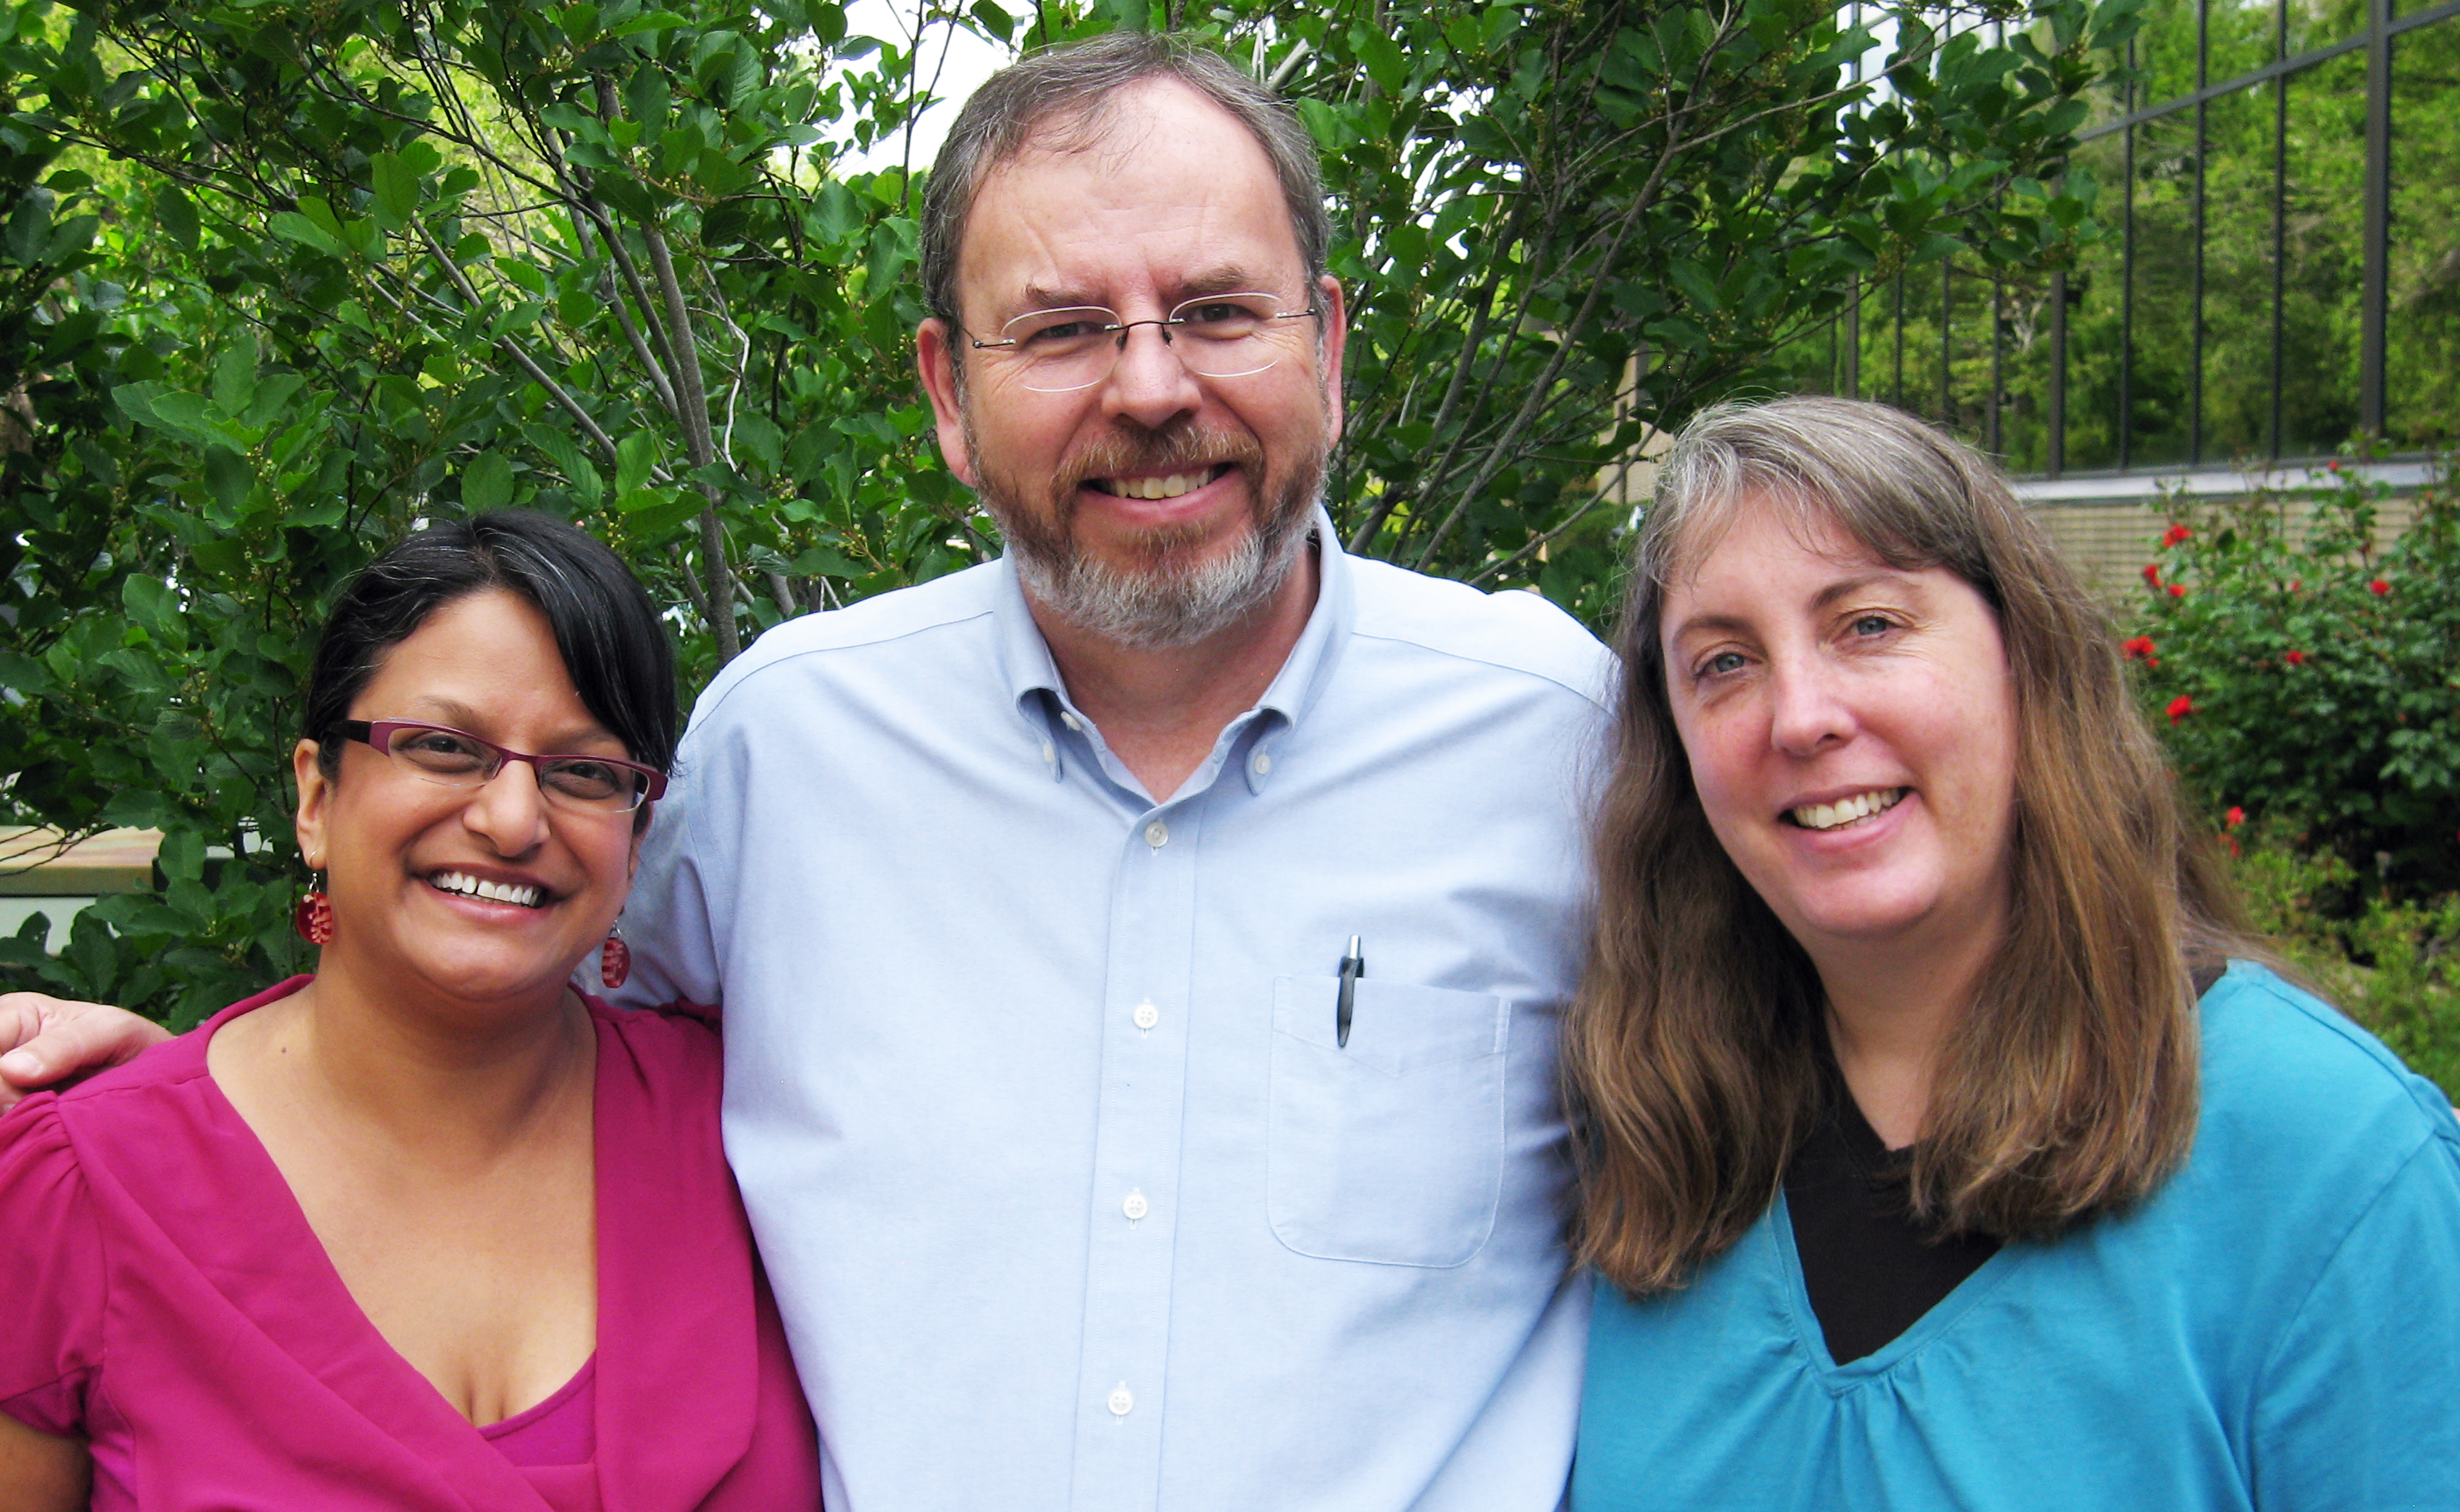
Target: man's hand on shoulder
[(45, 1041)]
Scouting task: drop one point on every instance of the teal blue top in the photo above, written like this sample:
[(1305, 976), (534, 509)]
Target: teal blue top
[(2279, 1327)]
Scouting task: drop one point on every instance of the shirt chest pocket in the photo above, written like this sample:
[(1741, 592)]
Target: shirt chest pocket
[(1389, 1150)]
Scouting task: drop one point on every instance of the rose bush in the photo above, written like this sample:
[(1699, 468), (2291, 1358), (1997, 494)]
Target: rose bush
[(2306, 674)]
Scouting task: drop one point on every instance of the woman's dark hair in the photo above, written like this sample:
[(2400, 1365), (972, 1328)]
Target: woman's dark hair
[(605, 626)]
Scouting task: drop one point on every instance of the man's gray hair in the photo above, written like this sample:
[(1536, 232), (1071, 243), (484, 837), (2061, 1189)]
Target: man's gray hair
[(1076, 82)]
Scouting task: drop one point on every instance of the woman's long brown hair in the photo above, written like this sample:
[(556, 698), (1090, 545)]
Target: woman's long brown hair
[(2067, 1086)]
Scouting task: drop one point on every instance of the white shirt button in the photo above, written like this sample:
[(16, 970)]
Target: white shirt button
[(1263, 762), (1121, 1402), (1050, 752), (1071, 720), (1147, 1016), (1157, 834), (1136, 1207)]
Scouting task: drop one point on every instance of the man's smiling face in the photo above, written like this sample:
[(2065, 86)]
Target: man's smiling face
[(1153, 506)]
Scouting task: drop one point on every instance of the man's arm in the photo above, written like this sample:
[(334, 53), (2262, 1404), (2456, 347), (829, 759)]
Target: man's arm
[(46, 1040)]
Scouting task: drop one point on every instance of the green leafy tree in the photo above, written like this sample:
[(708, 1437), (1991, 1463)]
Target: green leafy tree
[(1570, 225), (379, 264), (283, 280)]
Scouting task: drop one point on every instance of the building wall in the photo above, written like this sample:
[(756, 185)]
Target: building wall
[(2110, 541)]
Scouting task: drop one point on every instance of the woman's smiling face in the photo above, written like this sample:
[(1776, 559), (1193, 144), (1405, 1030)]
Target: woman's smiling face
[(403, 852), (1851, 729)]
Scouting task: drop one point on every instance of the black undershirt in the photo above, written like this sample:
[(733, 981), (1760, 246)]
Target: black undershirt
[(1871, 1269)]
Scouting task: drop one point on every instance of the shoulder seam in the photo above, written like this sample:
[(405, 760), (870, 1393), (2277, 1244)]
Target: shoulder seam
[(1456, 654), (2426, 1142), (782, 658), (2337, 1023)]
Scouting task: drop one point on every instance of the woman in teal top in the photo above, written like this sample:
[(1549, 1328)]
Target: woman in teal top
[(1943, 1144)]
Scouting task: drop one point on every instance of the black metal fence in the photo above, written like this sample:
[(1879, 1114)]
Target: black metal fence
[(2280, 188)]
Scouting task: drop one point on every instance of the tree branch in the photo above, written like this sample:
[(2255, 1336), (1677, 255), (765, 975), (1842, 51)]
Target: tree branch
[(512, 348)]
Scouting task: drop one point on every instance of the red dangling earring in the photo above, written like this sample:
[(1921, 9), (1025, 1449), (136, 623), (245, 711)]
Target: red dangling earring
[(614, 959), (313, 918)]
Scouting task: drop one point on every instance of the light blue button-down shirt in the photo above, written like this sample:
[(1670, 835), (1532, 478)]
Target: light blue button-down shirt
[(1070, 1197)]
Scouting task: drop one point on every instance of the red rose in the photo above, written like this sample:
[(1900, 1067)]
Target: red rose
[(2137, 646), (2332, 466), (2295, 583), (2177, 592), (2152, 573), (2180, 708), (2174, 535), (2377, 588), (2295, 658), (2235, 817)]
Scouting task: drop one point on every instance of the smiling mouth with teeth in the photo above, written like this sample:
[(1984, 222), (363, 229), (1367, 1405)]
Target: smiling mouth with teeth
[(462, 884), (1847, 811), (1169, 485)]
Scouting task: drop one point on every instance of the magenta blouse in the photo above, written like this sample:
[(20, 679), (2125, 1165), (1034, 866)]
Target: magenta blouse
[(167, 1300)]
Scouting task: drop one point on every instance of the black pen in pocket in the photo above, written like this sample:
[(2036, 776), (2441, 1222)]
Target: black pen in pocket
[(1353, 966)]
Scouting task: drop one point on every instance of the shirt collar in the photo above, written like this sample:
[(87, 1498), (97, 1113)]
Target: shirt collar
[(1025, 656)]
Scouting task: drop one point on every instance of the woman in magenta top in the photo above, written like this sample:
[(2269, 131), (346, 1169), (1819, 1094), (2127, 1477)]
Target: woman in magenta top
[(428, 1230)]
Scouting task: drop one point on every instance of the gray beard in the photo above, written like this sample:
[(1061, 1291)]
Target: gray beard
[(1160, 607), (1160, 603)]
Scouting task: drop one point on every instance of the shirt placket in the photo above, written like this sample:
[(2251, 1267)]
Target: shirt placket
[(1135, 1206)]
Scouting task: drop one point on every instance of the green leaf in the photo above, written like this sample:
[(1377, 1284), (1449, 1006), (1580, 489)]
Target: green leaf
[(136, 400), (655, 511), (397, 190), (487, 482), (177, 215), (29, 230), (292, 226), (998, 23), (823, 560), (149, 602), (228, 478), (180, 410), (235, 378), (635, 456), (646, 98), (1385, 62), (651, 21)]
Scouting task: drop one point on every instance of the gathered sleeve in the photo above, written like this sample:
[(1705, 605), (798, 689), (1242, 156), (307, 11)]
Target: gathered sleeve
[(2360, 1405), (51, 1277)]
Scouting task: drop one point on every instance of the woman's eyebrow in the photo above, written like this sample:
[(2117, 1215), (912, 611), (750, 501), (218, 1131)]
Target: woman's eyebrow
[(445, 710), (1846, 587), (1723, 624), (461, 717)]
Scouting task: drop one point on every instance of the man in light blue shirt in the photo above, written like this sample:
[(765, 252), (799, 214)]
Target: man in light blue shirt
[(1026, 892), (1090, 1169), (1069, 1194)]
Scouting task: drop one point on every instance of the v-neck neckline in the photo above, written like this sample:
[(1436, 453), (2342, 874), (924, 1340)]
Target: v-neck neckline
[(409, 1407), (1940, 1316), (680, 1308)]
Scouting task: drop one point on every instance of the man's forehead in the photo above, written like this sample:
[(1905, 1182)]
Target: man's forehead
[(1160, 180)]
